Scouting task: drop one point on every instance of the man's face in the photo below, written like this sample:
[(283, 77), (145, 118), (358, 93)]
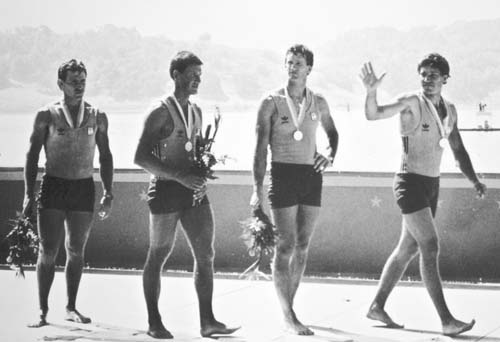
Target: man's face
[(189, 80), (431, 79), (74, 84), (297, 67)]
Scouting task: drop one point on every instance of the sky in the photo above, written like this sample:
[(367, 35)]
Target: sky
[(244, 23)]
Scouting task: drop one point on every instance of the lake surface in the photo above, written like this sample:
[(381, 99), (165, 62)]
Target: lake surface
[(367, 146)]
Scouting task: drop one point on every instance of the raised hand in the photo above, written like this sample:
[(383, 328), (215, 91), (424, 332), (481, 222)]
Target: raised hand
[(369, 79)]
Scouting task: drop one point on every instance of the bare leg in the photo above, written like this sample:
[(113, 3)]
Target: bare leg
[(421, 226), (287, 226), (162, 230), (198, 225), (307, 217), (50, 231), (394, 268), (78, 226)]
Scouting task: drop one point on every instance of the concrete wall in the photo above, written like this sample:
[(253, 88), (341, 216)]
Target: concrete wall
[(358, 227)]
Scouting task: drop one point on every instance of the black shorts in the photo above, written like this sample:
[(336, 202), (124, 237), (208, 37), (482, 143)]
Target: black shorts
[(167, 196), (67, 194), (415, 192), (294, 184)]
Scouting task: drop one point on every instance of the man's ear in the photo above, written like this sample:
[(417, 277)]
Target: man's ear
[(60, 83), (445, 79), (175, 74)]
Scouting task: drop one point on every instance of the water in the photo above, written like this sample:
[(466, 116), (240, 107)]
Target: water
[(372, 146)]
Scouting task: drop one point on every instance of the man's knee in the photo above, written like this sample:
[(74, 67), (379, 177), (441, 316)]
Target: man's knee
[(285, 248), (205, 257), (429, 247), (47, 254), (408, 251), (160, 252)]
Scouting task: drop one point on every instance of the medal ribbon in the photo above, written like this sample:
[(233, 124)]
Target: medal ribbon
[(79, 117), (442, 129), (291, 106), (189, 123)]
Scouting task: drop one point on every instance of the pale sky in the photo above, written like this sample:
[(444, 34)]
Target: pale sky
[(243, 23)]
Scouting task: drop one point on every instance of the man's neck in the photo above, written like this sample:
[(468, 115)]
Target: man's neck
[(182, 97), (435, 98), (296, 90)]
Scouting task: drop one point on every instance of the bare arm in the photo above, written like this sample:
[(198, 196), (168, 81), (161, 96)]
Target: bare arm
[(157, 127), (463, 159), (262, 132), (37, 139), (328, 125), (106, 164), (373, 110)]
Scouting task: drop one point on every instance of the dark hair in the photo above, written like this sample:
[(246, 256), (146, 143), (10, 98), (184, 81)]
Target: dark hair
[(299, 49), (437, 61), (71, 65), (182, 60)]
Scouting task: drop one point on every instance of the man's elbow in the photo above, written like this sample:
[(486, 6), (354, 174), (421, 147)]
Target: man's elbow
[(139, 159)]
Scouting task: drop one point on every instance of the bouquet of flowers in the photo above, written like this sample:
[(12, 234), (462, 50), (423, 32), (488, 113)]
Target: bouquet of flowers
[(23, 243), (204, 159), (259, 234)]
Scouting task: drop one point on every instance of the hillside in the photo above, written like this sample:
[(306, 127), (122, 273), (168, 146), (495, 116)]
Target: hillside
[(128, 69)]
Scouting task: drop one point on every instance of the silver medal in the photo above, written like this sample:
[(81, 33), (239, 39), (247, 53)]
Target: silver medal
[(297, 135), (188, 146), (443, 142)]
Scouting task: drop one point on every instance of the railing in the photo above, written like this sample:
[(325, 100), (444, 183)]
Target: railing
[(359, 224)]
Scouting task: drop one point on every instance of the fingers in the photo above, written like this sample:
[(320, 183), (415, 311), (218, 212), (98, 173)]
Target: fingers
[(103, 212), (480, 190), (255, 201), (320, 162)]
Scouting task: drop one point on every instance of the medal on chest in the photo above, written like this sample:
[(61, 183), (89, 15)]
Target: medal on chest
[(188, 124), (297, 119)]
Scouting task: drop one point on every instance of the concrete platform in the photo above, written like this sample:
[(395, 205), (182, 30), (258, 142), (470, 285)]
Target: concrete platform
[(333, 308)]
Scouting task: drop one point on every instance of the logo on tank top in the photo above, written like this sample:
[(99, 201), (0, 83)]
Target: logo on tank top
[(284, 119), (180, 133), (425, 127), (61, 131)]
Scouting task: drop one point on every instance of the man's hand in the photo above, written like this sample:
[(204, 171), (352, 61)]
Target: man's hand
[(105, 206), (321, 162), (480, 189), (256, 199), (28, 206), (369, 79), (199, 194), (192, 181)]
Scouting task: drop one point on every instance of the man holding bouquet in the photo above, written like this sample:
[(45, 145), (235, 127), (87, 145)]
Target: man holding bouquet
[(177, 192), (68, 130), (287, 122)]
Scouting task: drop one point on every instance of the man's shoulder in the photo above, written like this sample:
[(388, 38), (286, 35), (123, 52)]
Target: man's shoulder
[(158, 107), (49, 106)]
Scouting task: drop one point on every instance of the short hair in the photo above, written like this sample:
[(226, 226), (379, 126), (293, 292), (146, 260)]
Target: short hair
[(182, 60), (71, 65), (435, 60), (300, 49)]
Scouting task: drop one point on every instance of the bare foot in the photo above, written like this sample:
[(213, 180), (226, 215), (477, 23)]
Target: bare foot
[(294, 326), (160, 333), (75, 316), (216, 328), (378, 314), (42, 321), (456, 327)]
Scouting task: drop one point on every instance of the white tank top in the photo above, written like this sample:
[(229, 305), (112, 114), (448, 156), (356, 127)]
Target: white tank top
[(284, 148), (422, 151), (70, 150)]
